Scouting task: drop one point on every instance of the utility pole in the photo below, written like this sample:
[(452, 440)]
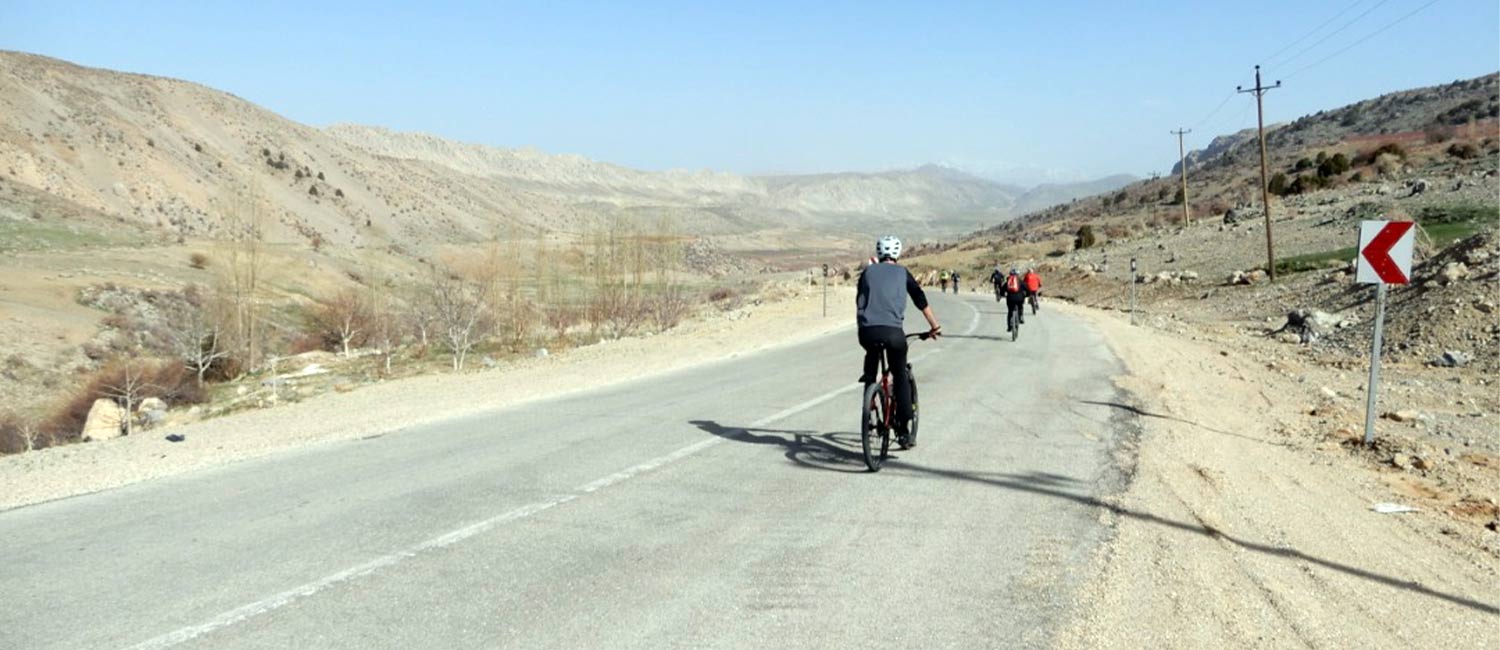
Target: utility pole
[(1265, 188), (1187, 217)]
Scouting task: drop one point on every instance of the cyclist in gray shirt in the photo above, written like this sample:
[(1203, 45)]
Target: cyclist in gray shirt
[(880, 304)]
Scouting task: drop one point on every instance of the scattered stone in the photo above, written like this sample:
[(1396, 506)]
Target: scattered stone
[(1329, 392), (1418, 186), (343, 387), (1451, 359), (488, 361), (1421, 463), (1256, 276), (106, 420), (541, 353), (176, 437), (1406, 415), (1454, 272), (1401, 461)]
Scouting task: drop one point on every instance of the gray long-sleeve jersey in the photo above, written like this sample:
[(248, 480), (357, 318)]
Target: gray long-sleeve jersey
[(880, 300)]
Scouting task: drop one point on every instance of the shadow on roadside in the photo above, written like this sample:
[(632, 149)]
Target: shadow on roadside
[(841, 452)]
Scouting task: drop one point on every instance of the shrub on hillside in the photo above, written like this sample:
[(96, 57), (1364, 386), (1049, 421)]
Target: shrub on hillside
[(1333, 166), (1438, 133), (1277, 185), (1307, 183), (1084, 238), (1304, 164), (197, 260), (1463, 150), (1387, 149)]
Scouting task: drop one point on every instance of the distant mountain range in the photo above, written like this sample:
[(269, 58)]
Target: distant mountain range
[(168, 154)]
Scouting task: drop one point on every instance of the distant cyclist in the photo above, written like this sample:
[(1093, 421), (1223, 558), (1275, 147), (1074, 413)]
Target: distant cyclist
[(944, 279), (997, 279), (1033, 286), (954, 275), (1015, 298), (880, 302)]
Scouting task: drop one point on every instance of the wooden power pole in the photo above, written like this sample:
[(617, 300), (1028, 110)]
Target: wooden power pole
[(1187, 216), (1265, 188)]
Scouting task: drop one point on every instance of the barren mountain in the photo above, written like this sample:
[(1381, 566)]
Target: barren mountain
[(176, 157)]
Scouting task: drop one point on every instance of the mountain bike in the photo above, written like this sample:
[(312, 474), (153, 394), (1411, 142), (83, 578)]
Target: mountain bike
[(1035, 299), (878, 411), (1013, 321)]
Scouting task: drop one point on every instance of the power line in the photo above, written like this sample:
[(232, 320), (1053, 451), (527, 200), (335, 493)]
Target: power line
[(1215, 111), (1335, 32), (1366, 37), (1288, 46)]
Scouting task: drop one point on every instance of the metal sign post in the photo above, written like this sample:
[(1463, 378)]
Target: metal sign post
[(1132, 291), (1384, 258), (825, 291)]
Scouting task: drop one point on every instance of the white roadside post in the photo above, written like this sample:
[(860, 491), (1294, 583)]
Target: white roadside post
[(825, 291), (1132, 290), (1383, 258)]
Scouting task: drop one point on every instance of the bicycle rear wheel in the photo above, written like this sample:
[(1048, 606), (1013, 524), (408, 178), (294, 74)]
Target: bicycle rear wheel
[(1015, 324), (874, 435), (915, 412)]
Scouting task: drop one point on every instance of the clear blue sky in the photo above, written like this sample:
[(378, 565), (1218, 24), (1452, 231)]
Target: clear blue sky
[(1086, 88)]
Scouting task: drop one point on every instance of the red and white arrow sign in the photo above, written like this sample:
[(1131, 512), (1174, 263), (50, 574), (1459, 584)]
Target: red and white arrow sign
[(1385, 252)]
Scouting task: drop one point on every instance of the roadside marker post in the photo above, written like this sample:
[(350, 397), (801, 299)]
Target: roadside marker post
[(825, 291), (1383, 258), (1132, 290)]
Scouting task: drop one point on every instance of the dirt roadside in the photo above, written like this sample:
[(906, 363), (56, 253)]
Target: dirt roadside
[(69, 470), (1246, 525)]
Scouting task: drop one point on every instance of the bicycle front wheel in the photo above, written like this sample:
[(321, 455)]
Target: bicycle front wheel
[(1015, 325), (874, 435)]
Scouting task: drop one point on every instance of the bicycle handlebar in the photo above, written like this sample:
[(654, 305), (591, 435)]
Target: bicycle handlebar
[(922, 335)]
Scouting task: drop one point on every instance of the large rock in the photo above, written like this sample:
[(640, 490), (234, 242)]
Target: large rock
[(152, 411), (106, 420)]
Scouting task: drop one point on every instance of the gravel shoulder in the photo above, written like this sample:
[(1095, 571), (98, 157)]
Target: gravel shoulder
[(1245, 525), (71, 470)]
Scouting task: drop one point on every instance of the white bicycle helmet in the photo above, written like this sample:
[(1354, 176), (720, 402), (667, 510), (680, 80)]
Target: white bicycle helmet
[(888, 247)]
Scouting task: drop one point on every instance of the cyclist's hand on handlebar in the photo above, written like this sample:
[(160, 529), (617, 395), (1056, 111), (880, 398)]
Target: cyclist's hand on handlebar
[(935, 332)]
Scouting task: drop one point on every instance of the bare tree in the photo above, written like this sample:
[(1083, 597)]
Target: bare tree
[(198, 340), (128, 389), (239, 278), (385, 326), (460, 313)]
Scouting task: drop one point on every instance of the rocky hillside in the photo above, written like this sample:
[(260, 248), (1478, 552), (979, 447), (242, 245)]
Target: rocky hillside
[(1434, 109)]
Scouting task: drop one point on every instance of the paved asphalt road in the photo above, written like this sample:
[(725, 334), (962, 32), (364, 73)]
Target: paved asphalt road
[(721, 506)]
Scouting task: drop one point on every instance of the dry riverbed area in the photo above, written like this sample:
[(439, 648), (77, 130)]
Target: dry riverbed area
[(69, 470), (1254, 518)]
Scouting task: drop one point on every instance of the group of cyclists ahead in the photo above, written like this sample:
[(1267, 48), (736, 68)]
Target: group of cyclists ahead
[(1016, 289), (880, 309)]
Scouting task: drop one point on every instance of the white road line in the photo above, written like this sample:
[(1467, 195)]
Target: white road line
[(290, 596)]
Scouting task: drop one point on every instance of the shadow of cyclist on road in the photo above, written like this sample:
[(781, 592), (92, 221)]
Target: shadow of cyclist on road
[(834, 451)]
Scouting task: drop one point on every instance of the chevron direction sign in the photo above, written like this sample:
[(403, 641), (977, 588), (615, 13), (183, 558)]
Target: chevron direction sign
[(1385, 252)]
